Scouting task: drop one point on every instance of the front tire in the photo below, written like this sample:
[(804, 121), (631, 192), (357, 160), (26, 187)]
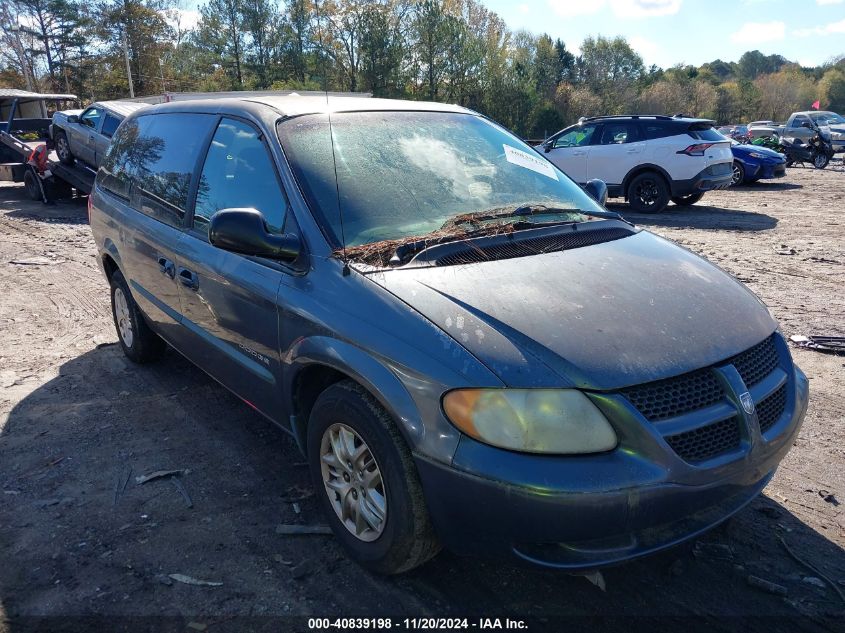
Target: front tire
[(738, 174), (139, 342), (685, 201), (367, 483), (63, 149), (648, 193)]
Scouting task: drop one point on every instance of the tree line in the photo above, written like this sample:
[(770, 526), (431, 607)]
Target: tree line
[(444, 50)]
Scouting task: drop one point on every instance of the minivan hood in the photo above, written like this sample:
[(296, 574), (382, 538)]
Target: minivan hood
[(600, 317)]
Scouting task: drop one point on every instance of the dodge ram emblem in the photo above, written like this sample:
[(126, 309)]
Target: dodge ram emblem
[(747, 402)]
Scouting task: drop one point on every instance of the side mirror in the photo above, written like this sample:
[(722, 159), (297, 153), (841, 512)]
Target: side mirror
[(245, 231), (547, 146), (597, 190), (73, 118)]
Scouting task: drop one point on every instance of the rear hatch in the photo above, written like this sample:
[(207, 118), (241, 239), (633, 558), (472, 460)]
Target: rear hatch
[(710, 143)]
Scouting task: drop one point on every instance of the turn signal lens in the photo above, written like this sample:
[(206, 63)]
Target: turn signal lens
[(561, 421)]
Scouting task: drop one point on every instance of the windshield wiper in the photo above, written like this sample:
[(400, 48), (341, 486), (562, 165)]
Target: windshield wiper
[(528, 210), (404, 252)]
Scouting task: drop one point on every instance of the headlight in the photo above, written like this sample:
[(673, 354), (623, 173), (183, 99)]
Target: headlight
[(756, 155), (562, 421)]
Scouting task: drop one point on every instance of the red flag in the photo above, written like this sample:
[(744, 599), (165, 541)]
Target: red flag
[(815, 105)]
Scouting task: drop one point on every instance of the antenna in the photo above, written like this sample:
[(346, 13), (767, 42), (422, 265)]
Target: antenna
[(346, 269)]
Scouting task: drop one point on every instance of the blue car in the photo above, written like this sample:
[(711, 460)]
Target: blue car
[(753, 163)]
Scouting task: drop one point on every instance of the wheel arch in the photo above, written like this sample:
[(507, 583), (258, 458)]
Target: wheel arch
[(109, 259), (319, 362), (641, 169)]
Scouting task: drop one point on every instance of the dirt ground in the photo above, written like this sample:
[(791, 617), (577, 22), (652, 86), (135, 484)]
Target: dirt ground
[(84, 547)]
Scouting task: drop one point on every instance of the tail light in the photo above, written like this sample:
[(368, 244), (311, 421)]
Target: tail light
[(696, 150), (90, 204)]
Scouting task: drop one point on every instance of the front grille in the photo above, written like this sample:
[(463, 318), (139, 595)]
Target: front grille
[(771, 408), (533, 246), (706, 442), (756, 363), (699, 389), (675, 396)]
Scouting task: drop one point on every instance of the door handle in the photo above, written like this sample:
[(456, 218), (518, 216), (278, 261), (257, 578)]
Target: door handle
[(166, 267), (189, 278)]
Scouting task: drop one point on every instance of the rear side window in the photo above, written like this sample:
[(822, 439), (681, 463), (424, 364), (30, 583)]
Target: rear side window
[(151, 161), (239, 172), (110, 125), (166, 153), (619, 133), (115, 171)]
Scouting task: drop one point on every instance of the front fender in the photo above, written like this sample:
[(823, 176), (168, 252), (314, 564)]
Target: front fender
[(383, 382)]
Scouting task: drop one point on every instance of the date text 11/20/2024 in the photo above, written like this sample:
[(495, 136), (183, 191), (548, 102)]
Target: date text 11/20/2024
[(430, 624)]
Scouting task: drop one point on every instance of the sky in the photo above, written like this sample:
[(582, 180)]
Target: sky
[(670, 32)]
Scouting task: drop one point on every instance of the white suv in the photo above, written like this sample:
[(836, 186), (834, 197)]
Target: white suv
[(648, 160)]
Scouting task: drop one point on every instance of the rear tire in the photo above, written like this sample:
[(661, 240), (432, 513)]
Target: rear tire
[(820, 160), (139, 342), (648, 193), (685, 201), (403, 537), (63, 149)]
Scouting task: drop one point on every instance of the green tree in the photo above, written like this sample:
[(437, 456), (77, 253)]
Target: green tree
[(611, 69), (220, 33)]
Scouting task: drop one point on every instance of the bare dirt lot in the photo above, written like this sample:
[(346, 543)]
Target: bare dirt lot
[(84, 547)]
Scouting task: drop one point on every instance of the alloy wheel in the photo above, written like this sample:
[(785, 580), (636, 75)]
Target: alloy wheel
[(820, 161), (736, 175), (647, 193), (353, 482), (62, 148), (123, 318)]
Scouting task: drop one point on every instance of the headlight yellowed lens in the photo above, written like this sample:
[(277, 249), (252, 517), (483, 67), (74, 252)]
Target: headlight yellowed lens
[(562, 421)]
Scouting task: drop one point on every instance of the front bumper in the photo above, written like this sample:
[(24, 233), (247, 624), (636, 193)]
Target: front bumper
[(765, 171), (584, 512)]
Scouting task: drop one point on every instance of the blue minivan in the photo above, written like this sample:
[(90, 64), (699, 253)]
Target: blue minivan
[(469, 349)]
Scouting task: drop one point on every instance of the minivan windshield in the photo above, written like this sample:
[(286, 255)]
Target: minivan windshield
[(403, 174)]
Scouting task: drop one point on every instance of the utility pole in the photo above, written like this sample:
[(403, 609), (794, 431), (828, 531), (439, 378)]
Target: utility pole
[(128, 68), (161, 71)]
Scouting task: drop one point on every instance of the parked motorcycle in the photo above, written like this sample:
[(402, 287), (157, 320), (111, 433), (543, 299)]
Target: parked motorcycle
[(770, 142), (817, 151)]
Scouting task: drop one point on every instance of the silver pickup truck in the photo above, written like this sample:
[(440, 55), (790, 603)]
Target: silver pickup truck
[(85, 135), (802, 125)]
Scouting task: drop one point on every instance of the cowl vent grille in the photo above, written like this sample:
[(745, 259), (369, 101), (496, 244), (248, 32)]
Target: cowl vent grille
[(516, 247)]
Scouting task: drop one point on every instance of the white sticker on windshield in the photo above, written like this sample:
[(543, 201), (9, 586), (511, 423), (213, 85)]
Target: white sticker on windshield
[(534, 163)]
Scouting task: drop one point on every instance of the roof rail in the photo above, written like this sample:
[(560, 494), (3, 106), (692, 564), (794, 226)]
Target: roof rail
[(661, 117)]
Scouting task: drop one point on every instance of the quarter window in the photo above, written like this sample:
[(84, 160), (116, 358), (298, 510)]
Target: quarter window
[(238, 172)]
